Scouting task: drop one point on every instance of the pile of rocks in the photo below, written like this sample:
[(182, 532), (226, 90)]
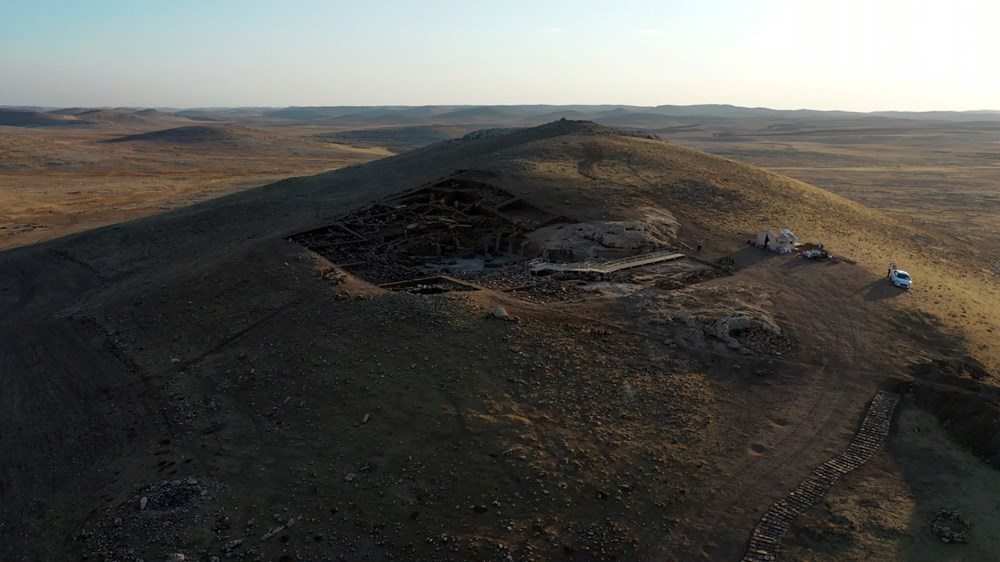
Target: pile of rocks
[(490, 133), (950, 526), (160, 517), (748, 333)]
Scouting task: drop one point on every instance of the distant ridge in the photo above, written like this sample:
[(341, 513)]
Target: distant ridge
[(80, 116), (528, 115), (17, 118), (197, 134)]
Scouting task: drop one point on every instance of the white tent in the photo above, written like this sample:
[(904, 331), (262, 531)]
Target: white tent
[(782, 242)]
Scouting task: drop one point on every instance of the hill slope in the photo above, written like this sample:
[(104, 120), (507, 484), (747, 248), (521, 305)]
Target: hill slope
[(205, 135), (17, 118), (195, 383)]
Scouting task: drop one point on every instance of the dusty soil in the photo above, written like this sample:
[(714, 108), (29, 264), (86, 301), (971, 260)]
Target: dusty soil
[(195, 384), (58, 181)]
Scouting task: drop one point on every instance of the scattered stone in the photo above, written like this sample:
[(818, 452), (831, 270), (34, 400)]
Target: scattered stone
[(143, 501), (271, 532), (950, 527), (500, 312)]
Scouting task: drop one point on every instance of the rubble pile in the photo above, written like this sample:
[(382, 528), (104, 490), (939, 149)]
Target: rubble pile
[(748, 334), (162, 514), (950, 526)]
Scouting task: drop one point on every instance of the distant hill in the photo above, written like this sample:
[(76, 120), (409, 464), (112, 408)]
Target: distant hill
[(396, 139), (128, 117), (485, 114), (234, 139), (641, 120), (231, 135), (70, 111), (17, 118), (653, 118), (80, 116)]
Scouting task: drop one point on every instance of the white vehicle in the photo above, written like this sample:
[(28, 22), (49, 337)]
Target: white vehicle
[(900, 279)]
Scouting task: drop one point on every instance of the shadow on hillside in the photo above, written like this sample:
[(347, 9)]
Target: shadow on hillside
[(751, 255), (880, 289), (940, 474), (798, 261)]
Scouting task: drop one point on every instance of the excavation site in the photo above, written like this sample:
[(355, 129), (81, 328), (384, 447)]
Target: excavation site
[(460, 234), (557, 342)]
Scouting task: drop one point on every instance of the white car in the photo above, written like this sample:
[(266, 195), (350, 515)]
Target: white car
[(901, 279)]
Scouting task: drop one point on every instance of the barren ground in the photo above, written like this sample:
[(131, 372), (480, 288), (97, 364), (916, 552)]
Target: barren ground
[(271, 404), (55, 182)]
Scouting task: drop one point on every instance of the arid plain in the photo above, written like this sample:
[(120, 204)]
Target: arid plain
[(251, 372)]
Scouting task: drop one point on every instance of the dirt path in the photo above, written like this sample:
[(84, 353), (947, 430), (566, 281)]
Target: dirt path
[(794, 419)]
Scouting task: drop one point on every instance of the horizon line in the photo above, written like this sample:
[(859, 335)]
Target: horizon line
[(478, 105)]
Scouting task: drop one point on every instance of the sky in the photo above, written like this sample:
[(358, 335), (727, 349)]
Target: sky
[(860, 55)]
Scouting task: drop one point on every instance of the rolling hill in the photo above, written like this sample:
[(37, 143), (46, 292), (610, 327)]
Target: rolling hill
[(85, 117), (226, 135), (221, 137), (357, 365), (18, 118)]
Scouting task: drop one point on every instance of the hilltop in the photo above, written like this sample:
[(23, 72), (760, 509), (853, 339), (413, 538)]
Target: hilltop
[(356, 364), (212, 135), (16, 118), (84, 117)]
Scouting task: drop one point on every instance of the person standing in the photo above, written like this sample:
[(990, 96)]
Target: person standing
[(700, 244)]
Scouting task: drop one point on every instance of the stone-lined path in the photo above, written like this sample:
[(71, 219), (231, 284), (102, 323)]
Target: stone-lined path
[(765, 543)]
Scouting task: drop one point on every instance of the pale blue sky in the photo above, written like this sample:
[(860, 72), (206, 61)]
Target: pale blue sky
[(850, 54)]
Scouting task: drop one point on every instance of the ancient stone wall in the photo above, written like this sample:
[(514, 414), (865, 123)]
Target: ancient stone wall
[(765, 543)]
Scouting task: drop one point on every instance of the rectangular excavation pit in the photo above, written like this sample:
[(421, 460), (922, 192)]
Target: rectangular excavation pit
[(521, 212), (449, 228), (455, 228), (330, 235)]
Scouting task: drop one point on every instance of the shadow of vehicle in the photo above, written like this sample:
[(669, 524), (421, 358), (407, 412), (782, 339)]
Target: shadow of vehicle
[(881, 289)]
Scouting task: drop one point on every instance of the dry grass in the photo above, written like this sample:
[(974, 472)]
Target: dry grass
[(730, 201), (55, 182)]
